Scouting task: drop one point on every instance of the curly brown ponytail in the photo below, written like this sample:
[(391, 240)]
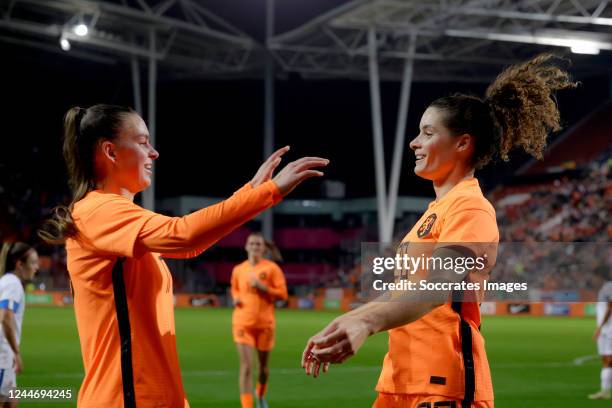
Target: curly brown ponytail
[(518, 111), (521, 99)]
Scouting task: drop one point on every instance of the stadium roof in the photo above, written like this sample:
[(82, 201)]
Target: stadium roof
[(182, 35), (434, 40), (450, 40)]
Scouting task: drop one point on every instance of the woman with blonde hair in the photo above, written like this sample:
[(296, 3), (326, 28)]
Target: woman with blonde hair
[(257, 283), (123, 292)]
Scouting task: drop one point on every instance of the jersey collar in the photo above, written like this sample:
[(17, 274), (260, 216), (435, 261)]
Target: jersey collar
[(463, 184)]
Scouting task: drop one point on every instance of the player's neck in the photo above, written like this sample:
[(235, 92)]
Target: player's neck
[(254, 260), (110, 186), (19, 275), (454, 177)]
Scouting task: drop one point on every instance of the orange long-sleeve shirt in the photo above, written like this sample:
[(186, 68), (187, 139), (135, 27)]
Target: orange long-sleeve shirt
[(428, 356), (123, 296), (256, 308)]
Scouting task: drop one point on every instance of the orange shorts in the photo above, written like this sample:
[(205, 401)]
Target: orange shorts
[(422, 401), (261, 338)]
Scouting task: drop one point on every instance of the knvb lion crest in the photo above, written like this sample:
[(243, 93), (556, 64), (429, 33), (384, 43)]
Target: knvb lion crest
[(426, 226)]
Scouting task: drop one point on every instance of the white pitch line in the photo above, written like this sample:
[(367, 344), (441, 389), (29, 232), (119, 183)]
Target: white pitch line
[(584, 359), (353, 369)]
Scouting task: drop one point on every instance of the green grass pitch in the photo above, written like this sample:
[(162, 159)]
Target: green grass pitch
[(532, 359)]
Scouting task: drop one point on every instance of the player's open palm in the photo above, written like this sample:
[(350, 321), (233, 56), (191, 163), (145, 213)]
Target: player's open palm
[(297, 171)]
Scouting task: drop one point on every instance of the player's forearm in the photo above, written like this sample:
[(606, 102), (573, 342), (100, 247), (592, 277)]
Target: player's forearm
[(9, 332), (196, 252), (383, 316), (395, 309), (212, 223), (370, 305), (182, 255), (244, 189), (196, 232)]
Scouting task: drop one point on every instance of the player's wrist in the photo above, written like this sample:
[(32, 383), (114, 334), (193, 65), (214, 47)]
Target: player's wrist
[(368, 324)]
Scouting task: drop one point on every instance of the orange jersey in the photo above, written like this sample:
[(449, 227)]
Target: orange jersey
[(257, 308), (123, 298), (435, 354)]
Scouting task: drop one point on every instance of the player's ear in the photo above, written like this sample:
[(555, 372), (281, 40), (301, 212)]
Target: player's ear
[(464, 142), (108, 150)]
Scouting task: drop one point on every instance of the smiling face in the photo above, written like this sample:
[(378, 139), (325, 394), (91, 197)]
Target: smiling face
[(131, 155), (436, 149)]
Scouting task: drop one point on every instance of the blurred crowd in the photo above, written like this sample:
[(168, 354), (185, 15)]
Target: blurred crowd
[(559, 233), (565, 210)]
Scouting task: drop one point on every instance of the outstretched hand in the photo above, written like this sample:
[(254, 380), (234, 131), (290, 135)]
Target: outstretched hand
[(336, 343), (291, 175), (264, 173), (297, 171)]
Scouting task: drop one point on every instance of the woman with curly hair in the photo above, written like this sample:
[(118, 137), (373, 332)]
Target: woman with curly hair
[(436, 352)]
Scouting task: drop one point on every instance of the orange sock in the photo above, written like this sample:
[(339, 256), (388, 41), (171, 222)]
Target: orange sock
[(246, 400), (261, 389)]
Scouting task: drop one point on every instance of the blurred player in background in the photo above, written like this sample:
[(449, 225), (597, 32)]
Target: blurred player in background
[(123, 296), (18, 265), (436, 351), (603, 336), (257, 284)]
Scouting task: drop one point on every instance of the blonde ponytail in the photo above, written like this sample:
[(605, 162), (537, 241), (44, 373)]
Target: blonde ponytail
[(273, 250)]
